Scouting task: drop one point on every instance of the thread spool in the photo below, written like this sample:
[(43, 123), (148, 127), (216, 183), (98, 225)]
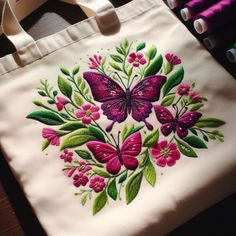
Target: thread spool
[(194, 7), (231, 54), (214, 17), (176, 3)]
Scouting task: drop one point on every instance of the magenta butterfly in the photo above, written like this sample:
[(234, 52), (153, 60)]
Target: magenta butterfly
[(117, 103), (179, 124), (115, 157)]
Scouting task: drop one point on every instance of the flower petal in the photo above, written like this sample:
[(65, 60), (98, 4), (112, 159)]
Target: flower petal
[(80, 113), (86, 106), (95, 116), (142, 61), (86, 120), (163, 144), (161, 162)]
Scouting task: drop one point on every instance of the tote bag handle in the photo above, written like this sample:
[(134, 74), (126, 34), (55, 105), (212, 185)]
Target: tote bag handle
[(103, 10)]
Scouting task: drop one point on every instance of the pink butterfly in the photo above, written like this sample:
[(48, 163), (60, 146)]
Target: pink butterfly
[(117, 103), (116, 157), (179, 124)]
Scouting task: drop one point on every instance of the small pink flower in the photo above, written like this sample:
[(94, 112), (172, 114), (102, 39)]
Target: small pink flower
[(51, 135), (136, 59), (173, 59), (195, 97), (61, 102), (84, 167), (97, 184), (165, 154), (88, 113), (95, 61), (80, 179), (183, 89), (69, 171), (67, 156)]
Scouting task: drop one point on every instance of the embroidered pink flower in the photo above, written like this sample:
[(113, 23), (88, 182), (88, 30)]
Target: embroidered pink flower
[(69, 171), (172, 59), (183, 89), (165, 154), (84, 167), (88, 113), (51, 135), (95, 61), (136, 59), (195, 97), (61, 102), (67, 156), (80, 179), (97, 184)]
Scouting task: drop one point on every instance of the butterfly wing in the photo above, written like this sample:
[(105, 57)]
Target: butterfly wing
[(104, 153), (130, 149)]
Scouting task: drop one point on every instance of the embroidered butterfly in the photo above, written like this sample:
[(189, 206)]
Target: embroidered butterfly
[(180, 124), (115, 157), (117, 103)]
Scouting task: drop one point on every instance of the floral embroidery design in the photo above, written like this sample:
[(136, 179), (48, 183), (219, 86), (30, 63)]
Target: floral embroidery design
[(126, 86)]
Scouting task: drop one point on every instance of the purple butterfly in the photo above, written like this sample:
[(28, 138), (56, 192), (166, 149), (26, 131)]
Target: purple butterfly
[(117, 103), (180, 124)]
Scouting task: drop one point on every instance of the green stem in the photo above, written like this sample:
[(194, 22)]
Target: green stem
[(72, 116), (98, 126)]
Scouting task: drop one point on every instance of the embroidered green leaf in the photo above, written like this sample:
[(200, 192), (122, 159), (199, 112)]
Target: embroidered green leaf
[(41, 93), (117, 58), (195, 142), (140, 46), (50, 101), (99, 202), (115, 66), (76, 70), (130, 71), (205, 138), (132, 130), (84, 200), (123, 177), (175, 79), (167, 68), (208, 122), (167, 101), (185, 149), (45, 144), (79, 80), (97, 133), (196, 106), (154, 67), (84, 154), (64, 86), (152, 52), (73, 125), (150, 173), (65, 71), (78, 99), (112, 189), (144, 158), (46, 117), (151, 139), (193, 131), (126, 43), (101, 173), (124, 132), (77, 138), (55, 93), (120, 51), (133, 186)]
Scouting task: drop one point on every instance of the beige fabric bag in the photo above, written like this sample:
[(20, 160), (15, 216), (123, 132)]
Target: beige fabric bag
[(155, 179)]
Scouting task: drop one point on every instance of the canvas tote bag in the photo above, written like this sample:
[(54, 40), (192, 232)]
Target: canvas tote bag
[(130, 132)]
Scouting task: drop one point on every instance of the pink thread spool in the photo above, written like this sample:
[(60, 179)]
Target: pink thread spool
[(176, 3), (214, 17), (194, 7)]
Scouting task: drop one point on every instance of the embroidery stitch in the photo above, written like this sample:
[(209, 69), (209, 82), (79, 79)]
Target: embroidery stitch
[(102, 163)]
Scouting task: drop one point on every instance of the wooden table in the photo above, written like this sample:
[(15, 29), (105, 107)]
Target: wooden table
[(17, 217)]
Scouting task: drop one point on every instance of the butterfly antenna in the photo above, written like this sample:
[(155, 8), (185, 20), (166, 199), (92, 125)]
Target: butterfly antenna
[(118, 138), (132, 80), (114, 139), (120, 79)]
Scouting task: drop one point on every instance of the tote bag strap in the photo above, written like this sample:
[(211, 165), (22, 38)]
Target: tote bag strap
[(103, 10)]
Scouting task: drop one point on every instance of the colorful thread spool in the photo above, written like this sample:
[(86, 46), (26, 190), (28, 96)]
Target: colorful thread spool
[(194, 7), (214, 17), (231, 54), (176, 3)]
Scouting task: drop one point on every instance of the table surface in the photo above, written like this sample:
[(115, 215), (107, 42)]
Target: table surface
[(17, 217)]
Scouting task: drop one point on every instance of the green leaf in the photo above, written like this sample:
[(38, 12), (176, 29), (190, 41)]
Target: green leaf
[(76, 70), (167, 68), (167, 101), (78, 99), (123, 178), (73, 125), (130, 71), (185, 149), (120, 51), (45, 144), (77, 138), (193, 131), (144, 157), (126, 43), (154, 67), (152, 52), (101, 173), (151, 139), (196, 106), (55, 93), (124, 132), (64, 115), (84, 154), (65, 71), (64, 87), (115, 66), (117, 58), (82, 86), (140, 46), (99, 202), (195, 142), (132, 131), (79, 80), (46, 117), (84, 200), (97, 133), (112, 189), (133, 186), (208, 122), (175, 79), (50, 101), (150, 174), (41, 93)]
